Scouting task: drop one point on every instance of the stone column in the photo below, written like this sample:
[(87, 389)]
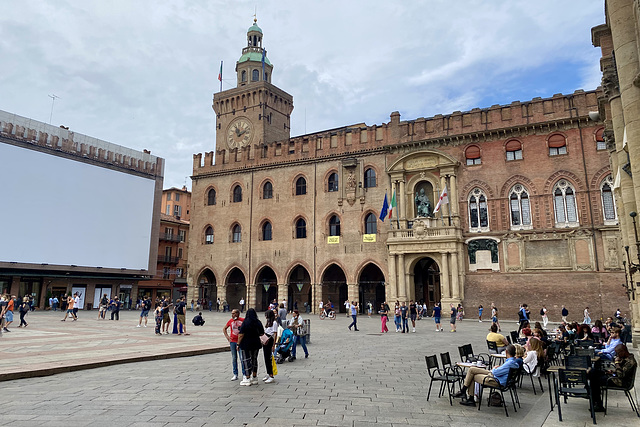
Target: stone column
[(401, 199), (445, 293), (222, 293), (455, 284), (453, 200), (402, 287), (283, 293), (352, 292), (251, 295), (391, 293)]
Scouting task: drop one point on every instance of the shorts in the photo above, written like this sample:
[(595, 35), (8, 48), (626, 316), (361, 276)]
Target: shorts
[(453, 320), (145, 313), (413, 317), (180, 318), (69, 310), (437, 319), (103, 308), (494, 319), (8, 316), (166, 318)]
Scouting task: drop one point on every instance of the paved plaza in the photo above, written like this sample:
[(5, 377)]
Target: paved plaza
[(350, 379)]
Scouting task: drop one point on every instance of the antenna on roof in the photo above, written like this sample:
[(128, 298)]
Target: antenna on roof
[(53, 100)]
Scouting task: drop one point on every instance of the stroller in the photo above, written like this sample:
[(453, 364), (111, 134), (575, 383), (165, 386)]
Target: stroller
[(285, 344)]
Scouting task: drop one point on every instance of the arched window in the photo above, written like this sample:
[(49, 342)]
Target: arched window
[(267, 190), (332, 183), (244, 76), (514, 150), (600, 142), (266, 77), (564, 204), (301, 186), (557, 144), (301, 229), (208, 236), (478, 214), (237, 194), (255, 75), (608, 204), (266, 231), (472, 154), (370, 224), (369, 178), (519, 207), (236, 234), (211, 197), (334, 226)]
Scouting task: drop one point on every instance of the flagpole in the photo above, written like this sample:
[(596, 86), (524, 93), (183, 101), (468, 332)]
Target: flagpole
[(446, 177), (220, 76), (397, 205)]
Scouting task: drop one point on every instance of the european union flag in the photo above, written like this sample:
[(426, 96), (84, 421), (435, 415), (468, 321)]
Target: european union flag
[(385, 208)]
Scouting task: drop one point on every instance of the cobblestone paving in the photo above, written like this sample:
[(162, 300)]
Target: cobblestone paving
[(350, 379)]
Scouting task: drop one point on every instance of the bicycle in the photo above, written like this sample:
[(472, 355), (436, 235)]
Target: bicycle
[(331, 315)]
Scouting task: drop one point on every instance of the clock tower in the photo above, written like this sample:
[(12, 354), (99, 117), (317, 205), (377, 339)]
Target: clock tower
[(256, 112)]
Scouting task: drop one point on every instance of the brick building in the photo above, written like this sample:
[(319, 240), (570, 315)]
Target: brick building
[(531, 215)]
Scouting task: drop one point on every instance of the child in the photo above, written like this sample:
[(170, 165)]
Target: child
[(480, 313)]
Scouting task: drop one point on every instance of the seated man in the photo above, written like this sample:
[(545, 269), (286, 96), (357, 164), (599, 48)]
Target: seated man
[(609, 351), (497, 375), (198, 320), (497, 338)]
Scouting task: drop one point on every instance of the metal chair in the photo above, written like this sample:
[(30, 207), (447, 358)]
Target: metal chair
[(574, 383), (525, 371), (586, 352), (437, 374), (514, 336), (510, 386), (578, 362), (493, 349), (466, 355), (450, 369), (609, 385)]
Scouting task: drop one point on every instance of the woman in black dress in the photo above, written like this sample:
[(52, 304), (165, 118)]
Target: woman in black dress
[(249, 343)]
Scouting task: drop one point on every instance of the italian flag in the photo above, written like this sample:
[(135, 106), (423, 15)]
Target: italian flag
[(393, 203), (220, 73)]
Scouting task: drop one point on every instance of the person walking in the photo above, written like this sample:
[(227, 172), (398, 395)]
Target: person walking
[(437, 312), (522, 316), (23, 309), (587, 317), (296, 324), (413, 314), (115, 308), (480, 313), (55, 303), (70, 303), (347, 307), (241, 305), (454, 313), (404, 314), (271, 331), (249, 343), (233, 325), (383, 318), (494, 315), (8, 314), (545, 317), (146, 306), (564, 313), (282, 315), (76, 305), (354, 315), (218, 305), (397, 317), (102, 309)]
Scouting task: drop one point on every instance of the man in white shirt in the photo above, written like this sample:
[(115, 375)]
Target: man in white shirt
[(241, 305), (296, 324), (76, 305)]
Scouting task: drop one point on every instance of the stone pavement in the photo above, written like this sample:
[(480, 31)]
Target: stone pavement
[(350, 379)]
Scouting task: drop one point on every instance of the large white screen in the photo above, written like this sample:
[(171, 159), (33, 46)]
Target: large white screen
[(65, 212)]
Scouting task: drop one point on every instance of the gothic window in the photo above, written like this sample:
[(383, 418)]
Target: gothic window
[(478, 214), (255, 75), (514, 150), (519, 207), (301, 229), (211, 197), (472, 154), (608, 203), (244, 76), (333, 182), (237, 194), (334, 226), (267, 190), (370, 224), (600, 143), (370, 178), (301, 186), (266, 231), (564, 204), (208, 236), (236, 234), (557, 145)]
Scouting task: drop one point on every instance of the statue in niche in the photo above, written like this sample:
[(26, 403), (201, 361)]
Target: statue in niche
[(423, 205), (351, 181)]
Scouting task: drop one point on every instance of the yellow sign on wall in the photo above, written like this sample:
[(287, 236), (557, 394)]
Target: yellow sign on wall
[(369, 238), (333, 240)]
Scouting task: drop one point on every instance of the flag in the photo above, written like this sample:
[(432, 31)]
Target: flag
[(264, 55), (393, 203), (385, 208), (220, 73), (444, 199)]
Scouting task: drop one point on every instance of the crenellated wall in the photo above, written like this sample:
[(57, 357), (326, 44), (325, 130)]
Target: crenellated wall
[(466, 127), (62, 139)]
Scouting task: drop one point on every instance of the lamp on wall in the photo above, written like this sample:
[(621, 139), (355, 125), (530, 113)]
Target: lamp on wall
[(629, 265)]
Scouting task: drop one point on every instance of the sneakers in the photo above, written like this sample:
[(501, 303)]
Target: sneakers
[(145, 326), (453, 330), (266, 378), (441, 329), (270, 380), (138, 326), (254, 380), (234, 378), (479, 321), (306, 356), (245, 381), (438, 330), (414, 330)]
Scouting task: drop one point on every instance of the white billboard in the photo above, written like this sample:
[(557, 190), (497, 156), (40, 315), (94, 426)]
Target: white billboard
[(59, 211)]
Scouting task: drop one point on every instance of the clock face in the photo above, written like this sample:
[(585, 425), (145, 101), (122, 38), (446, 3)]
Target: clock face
[(239, 133)]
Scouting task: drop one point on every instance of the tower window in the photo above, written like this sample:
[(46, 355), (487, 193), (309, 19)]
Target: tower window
[(478, 215), (266, 231), (236, 236), (301, 186), (608, 205), (370, 224), (211, 197), (244, 76), (334, 226), (266, 77), (267, 190), (208, 236), (564, 203), (600, 142), (369, 178), (514, 150), (472, 155), (255, 75), (557, 145), (333, 182), (301, 229), (237, 194)]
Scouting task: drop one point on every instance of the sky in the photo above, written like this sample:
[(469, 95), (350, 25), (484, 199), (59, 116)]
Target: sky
[(142, 73)]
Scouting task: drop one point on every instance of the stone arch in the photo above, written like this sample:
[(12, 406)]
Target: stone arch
[(594, 185), (206, 195), (444, 159), (262, 184), (515, 179), (207, 284), (299, 289), (569, 176), (333, 284), (486, 188), (371, 286), (266, 282)]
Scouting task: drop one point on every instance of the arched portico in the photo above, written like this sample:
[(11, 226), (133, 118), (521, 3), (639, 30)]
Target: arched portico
[(334, 287), (299, 288), (371, 287), (236, 285), (267, 288), (206, 286), (426, 278)]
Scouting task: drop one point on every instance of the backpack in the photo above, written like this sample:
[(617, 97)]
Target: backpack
[(495, 399), (542, 312)]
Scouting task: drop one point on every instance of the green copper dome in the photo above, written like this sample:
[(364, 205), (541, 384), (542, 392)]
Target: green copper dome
[(253, 56), (254, 27)]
